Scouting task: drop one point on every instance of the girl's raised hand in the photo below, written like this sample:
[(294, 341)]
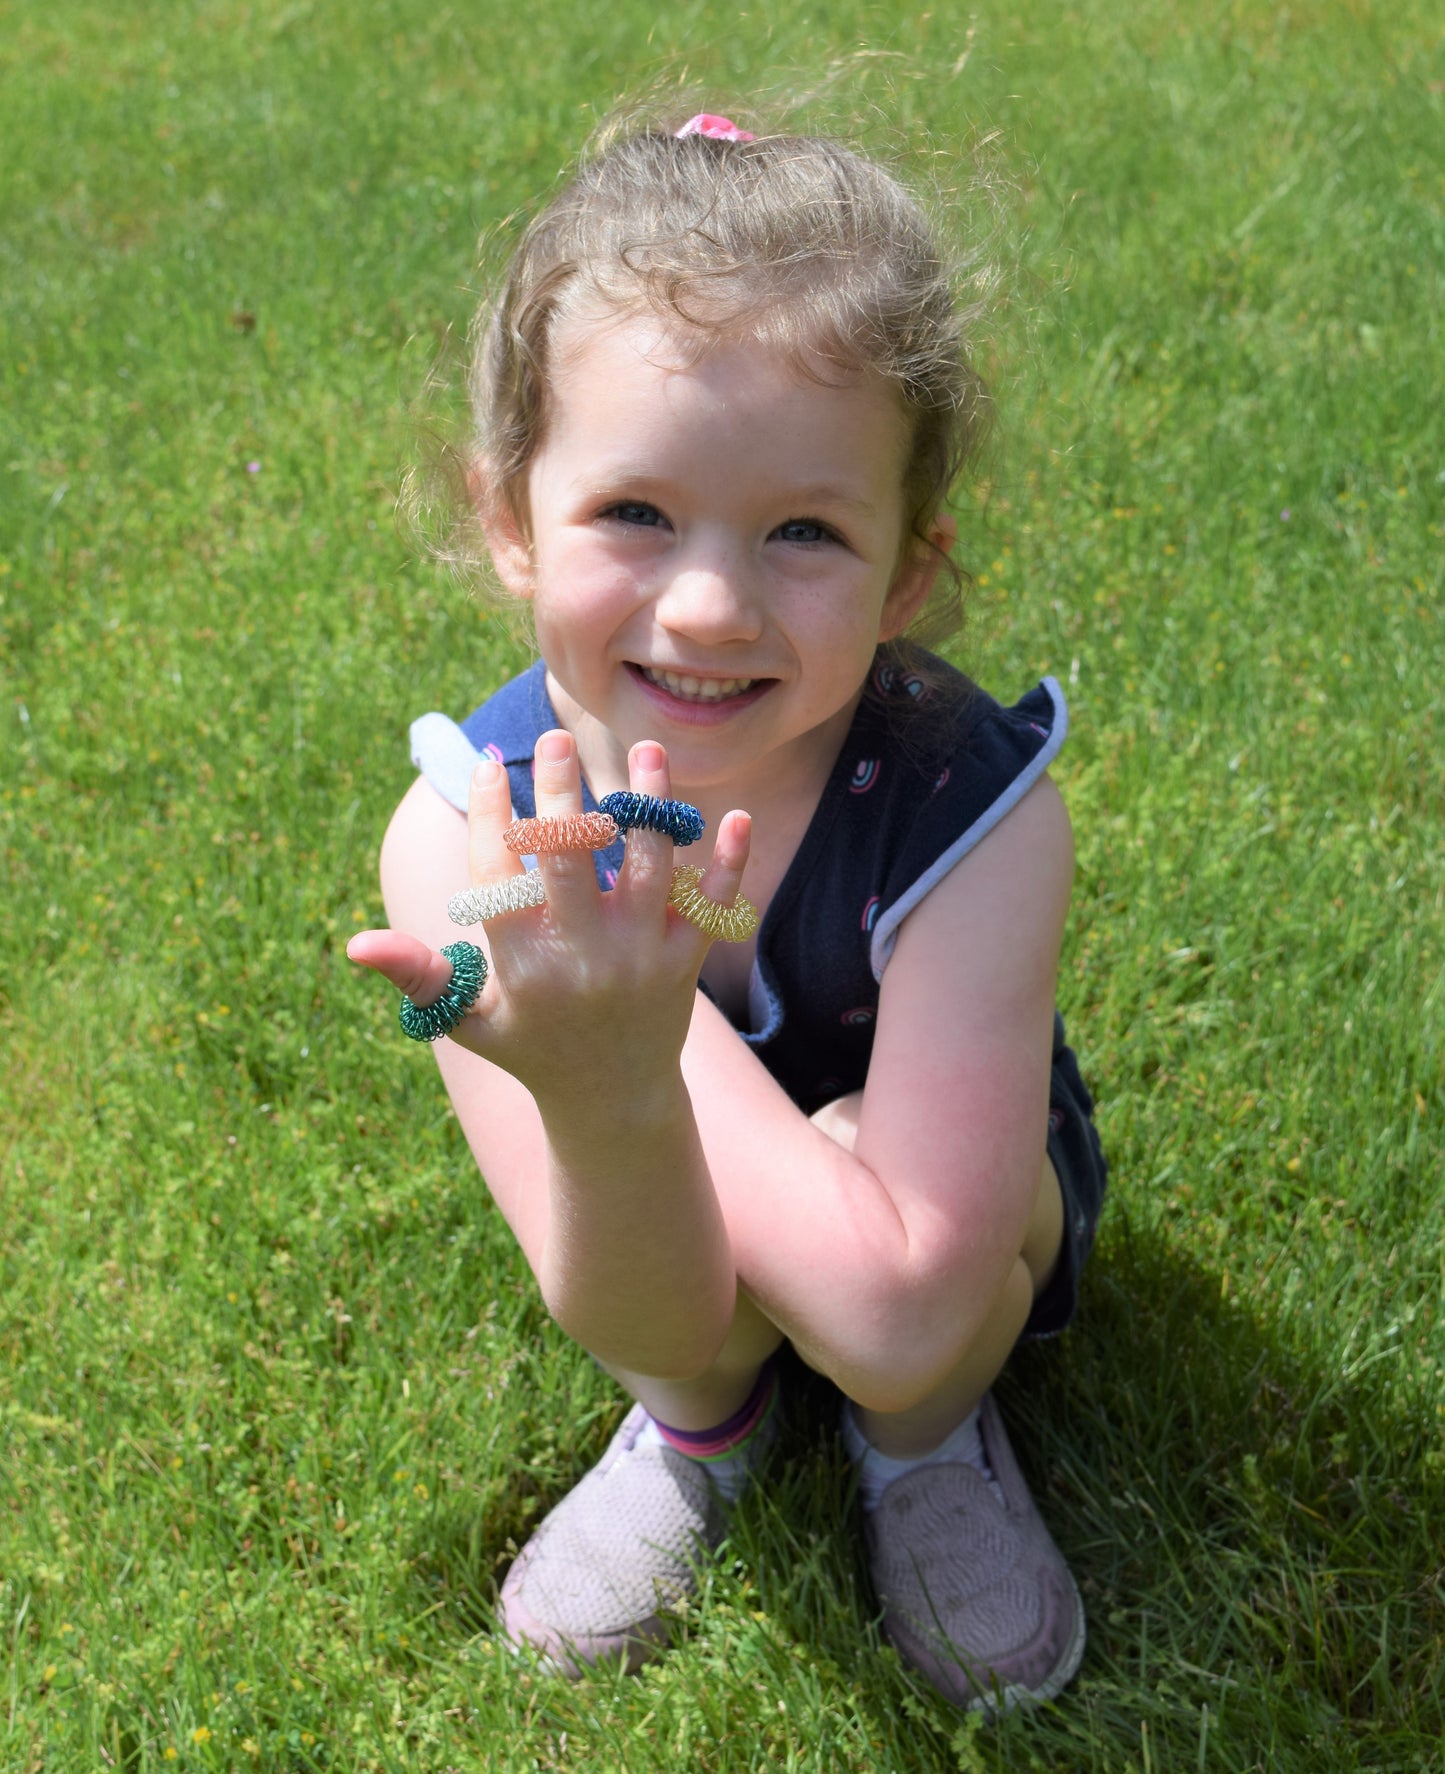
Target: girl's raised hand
[(590, 996)]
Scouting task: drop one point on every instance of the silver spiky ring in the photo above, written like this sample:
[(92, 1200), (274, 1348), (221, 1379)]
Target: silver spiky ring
[(518, 893)]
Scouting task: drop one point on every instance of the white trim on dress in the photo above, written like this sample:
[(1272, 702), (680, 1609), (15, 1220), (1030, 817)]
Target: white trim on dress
[(885, 931)]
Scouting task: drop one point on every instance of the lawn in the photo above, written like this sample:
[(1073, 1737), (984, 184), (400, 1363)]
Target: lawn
[(278, 1397)]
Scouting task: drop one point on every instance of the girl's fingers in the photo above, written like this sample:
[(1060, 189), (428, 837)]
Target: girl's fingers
[(489, 810), (406, 961), (723, 878), (421, 973), (721, 883), (573, 896), (648, 868)]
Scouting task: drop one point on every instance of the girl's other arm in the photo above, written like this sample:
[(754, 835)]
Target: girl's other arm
[(881, 1263)]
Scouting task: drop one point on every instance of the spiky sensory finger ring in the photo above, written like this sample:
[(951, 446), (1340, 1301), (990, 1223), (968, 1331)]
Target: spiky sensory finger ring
[(723, 923), (550, 835), (678, 820), (474, 905), (429, 1022)]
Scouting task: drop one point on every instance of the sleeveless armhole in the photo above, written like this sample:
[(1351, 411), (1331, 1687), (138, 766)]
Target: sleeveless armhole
[(885, 929)]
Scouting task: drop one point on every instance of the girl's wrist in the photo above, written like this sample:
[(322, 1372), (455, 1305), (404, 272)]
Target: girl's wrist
[(640, 1112)]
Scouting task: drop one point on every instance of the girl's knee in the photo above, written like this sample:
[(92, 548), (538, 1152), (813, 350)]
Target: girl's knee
[(916, 1372)]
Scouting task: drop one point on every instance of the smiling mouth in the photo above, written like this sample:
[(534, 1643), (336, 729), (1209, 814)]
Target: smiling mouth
[(690, 689)]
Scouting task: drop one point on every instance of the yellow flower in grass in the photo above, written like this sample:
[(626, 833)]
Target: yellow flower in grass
[(201, 1734)]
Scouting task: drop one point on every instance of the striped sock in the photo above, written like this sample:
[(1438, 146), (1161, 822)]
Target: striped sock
[(731, 1450)]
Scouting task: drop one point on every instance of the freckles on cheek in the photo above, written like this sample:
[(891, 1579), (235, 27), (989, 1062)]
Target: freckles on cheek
[(593, 596)]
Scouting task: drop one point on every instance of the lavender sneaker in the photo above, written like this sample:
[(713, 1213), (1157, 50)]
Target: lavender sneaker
[(605, 1569), (975, 1594)]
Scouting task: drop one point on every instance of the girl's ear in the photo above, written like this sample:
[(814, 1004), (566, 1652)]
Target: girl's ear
[(505, 530), (921, 564)]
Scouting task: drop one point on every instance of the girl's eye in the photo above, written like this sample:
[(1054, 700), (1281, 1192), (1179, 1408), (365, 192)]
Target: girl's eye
[(803, 529), (632, 511)]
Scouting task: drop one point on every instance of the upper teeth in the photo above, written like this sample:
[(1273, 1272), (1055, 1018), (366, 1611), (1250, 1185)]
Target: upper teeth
[(702, 689)]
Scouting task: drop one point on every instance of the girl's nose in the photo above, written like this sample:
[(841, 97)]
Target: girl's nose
[(712, 598)]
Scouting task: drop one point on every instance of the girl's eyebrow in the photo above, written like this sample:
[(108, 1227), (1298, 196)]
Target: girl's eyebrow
[(824, 494), (644, 478)]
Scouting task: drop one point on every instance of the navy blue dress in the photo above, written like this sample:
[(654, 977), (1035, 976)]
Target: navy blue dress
[(930, 765)]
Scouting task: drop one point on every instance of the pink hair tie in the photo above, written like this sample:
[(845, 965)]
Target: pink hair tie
[(721, 129)]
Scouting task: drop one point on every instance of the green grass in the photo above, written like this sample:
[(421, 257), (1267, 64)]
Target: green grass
[(277, 1396)]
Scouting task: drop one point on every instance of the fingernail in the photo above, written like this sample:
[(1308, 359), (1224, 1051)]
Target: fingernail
[(485, 773), (649, 755), (553, 748)]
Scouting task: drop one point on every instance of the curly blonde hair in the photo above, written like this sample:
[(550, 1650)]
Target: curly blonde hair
[(795, 241)]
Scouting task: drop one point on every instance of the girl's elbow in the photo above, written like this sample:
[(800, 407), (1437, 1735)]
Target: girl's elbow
[(922, 1338)]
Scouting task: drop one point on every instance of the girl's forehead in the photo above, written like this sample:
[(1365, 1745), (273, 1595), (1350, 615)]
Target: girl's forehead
[(582, 334), (633, 402), (594, 343), (593, 328)]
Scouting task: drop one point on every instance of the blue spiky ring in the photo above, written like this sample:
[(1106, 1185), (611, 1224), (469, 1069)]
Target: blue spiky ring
[(678, 820), (429, 1022)]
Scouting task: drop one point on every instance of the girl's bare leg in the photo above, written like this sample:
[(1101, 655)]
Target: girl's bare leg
[(908, 1434), (974, 1593), (905, 1435), (712, 1398)]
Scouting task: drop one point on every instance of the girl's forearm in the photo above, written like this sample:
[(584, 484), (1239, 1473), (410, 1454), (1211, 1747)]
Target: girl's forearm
[(873, 1299), (636, 1264)]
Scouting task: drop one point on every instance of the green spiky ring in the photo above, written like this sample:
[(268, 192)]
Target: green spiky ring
[(429, 1022)]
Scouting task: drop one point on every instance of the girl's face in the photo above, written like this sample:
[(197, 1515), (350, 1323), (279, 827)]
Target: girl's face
[(717, 546)]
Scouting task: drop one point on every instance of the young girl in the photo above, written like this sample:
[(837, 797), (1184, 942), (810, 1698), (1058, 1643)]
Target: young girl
[(721, 397)]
